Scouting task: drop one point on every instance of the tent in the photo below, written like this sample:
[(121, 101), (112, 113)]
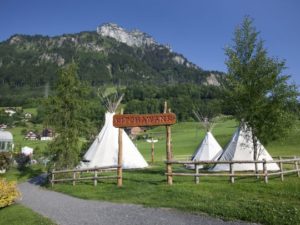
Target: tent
[(241, 148), (104, 150), (209, 149)]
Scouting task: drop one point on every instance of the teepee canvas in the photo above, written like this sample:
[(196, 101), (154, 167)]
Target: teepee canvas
[(241, 148), (104, 150), (209, 149)]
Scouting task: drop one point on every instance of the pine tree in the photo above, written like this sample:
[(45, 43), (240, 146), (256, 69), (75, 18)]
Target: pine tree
[(64, 113)]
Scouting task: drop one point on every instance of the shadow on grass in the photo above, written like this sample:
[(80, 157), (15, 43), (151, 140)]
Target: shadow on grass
[(29, 172)]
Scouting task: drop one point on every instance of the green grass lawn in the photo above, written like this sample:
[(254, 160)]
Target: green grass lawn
[(13, 174), (18, 214), (247, 199)]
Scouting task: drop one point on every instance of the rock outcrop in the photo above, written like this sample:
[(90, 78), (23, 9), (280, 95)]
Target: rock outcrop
[(131, 38)]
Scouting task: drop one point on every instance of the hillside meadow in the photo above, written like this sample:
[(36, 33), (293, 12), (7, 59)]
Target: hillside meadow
[(248, 199)]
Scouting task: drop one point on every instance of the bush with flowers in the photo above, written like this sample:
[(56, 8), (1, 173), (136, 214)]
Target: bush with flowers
[(8, 193)]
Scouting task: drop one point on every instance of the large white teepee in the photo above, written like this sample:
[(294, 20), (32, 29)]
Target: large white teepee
[(241, 148), (104, 150), (209, 149)]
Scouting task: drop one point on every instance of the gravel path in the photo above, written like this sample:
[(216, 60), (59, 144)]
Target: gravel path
[(67, 210)]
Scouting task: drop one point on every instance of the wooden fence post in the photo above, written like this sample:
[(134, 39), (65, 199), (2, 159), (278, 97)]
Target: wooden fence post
[(231, 173), (120, 156), (297, 166), (281, 168), (197, 178), (265, 171), (52, 178), (256, 169), (95, 177), (74, 178)]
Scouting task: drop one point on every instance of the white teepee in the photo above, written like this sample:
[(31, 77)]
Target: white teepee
[(241, 148), (104, 150), (209, 149)]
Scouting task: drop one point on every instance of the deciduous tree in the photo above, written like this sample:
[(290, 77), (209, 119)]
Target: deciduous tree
[(257, 90)]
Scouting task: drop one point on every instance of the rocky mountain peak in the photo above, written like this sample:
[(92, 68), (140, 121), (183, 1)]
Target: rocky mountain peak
[(131, 38), (15, 39)]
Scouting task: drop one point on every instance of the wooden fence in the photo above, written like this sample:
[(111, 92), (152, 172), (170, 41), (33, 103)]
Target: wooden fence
[(295, 161), (76, 175)]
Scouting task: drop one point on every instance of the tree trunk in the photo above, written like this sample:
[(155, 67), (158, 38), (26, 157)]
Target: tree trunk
[(255, 152)]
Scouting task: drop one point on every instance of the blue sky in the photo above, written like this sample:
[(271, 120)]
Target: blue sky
[(199, 29)]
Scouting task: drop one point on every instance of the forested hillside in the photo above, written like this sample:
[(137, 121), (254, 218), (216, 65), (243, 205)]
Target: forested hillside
[(29, 63)]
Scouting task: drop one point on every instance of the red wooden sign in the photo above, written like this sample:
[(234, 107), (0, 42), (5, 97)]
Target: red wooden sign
[(143, 120)]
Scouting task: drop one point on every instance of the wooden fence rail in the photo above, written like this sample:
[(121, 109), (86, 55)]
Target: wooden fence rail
[(265, 173), (76, 175)]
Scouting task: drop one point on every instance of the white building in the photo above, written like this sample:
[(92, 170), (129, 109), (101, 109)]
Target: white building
[(6, 141)]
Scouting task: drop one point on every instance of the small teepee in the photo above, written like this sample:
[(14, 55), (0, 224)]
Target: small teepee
[(241, 148), (104, 150), (209, 148)]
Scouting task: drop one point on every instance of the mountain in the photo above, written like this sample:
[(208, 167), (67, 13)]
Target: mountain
[(109, 55)]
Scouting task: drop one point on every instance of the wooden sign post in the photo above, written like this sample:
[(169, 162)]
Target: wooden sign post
[(152, 150), (168, 150), (137, 120), (152, 141)]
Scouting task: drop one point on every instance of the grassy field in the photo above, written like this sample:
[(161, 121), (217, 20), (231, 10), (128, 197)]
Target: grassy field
[(248, 199)]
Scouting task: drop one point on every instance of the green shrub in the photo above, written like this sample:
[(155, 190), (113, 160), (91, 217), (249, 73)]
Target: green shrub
[(22, 160), (8, 194), (5, 160)]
